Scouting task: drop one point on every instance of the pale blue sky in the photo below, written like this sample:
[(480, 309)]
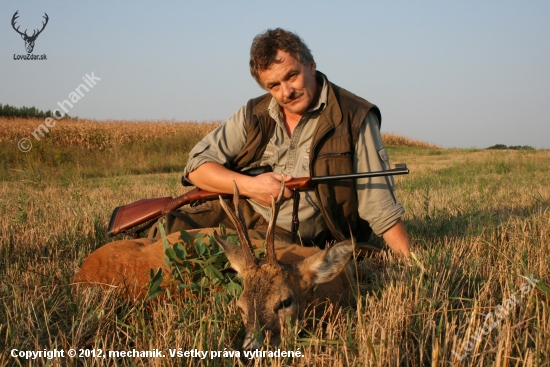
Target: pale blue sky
[(459, 74)]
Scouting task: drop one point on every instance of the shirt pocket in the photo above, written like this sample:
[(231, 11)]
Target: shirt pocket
[(305, 162), (270, 156)]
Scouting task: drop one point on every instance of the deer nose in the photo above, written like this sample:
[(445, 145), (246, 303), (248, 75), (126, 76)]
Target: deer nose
[(255, 339), (251, 341)]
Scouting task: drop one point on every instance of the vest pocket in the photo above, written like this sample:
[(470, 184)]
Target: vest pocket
[(336, 155), (333, 164)]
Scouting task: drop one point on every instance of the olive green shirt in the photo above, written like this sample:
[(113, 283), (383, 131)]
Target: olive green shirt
[(290, 155)]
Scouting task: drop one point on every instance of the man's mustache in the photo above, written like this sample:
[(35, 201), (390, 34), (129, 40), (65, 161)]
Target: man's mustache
[(293, 96)]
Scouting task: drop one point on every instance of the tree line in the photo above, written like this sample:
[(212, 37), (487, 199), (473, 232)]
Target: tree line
[(513, 147), (24, 112)]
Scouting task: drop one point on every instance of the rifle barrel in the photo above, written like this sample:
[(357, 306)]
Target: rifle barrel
[(390, 172), (129, 216)]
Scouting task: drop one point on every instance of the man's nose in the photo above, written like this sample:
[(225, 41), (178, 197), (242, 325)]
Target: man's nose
[(288, 90)]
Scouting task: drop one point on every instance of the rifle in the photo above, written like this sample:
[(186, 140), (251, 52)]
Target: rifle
[(146, 212)]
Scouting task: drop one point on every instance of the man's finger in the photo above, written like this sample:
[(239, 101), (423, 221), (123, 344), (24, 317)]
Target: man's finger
[(286, 178), (287, 194)]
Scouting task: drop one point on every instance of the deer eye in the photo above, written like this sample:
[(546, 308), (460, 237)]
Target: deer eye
[(285, 303)]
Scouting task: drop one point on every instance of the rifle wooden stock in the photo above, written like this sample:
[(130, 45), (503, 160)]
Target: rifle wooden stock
[(128, 216)]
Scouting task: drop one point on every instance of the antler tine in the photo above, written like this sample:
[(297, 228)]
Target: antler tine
[(43, 25), (240, 226), (270, 234), (15, 16)]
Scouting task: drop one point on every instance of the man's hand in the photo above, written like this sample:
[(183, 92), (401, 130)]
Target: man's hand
[(262, 187), (214, 177), (397, 239)]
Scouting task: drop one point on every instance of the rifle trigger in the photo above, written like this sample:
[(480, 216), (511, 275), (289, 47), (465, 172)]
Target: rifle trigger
[(196, 203)]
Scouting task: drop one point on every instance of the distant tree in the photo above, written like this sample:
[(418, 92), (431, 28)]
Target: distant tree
[(498, 146), (25, 112), (511, 147)]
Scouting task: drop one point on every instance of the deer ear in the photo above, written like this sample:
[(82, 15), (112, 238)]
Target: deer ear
[(325, 265), (233, 252)]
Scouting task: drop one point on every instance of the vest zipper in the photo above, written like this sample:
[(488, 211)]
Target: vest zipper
[(335, 234)]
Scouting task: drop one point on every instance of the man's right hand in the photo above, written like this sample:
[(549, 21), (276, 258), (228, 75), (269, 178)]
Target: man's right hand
[(262, 187), (214, 177)]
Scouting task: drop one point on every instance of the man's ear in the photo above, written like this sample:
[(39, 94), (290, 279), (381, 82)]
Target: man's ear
[(313, 67), (233, 253), (325, 265)]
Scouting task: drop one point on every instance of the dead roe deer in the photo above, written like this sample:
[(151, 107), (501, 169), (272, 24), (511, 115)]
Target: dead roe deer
[(288, 282)]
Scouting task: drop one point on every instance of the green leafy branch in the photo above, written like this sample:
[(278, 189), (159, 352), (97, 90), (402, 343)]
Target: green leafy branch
[(197, 265)]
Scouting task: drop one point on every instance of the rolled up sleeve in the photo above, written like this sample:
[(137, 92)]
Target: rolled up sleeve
[(377, 202), (220, 146)]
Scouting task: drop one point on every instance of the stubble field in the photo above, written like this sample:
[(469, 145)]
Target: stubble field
[(479, 221)]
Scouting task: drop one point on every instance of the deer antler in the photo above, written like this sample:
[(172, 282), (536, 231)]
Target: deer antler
[(35, 34), (15, 16), (43, 26), (240, 225), (270, 234)]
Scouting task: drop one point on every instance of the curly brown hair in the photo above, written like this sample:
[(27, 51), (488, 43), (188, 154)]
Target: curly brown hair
[(265, 46)]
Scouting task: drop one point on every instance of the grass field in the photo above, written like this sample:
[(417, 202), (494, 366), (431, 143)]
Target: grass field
[(479, 221)]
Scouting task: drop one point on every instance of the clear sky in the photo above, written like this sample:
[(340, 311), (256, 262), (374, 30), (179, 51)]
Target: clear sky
[(455, 73)]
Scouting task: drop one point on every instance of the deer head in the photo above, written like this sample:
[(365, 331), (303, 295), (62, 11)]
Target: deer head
[(29, 40), (274, 291)]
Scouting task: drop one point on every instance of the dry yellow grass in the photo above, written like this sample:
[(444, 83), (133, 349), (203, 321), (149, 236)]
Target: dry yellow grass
[(477, 219)]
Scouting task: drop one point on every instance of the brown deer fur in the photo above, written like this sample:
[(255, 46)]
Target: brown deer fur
[(288, 281)]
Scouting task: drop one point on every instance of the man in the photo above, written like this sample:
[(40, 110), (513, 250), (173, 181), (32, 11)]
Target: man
[(304, 126)]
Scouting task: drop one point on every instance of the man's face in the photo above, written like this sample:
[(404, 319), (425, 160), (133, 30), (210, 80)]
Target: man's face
[(291, 83)]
